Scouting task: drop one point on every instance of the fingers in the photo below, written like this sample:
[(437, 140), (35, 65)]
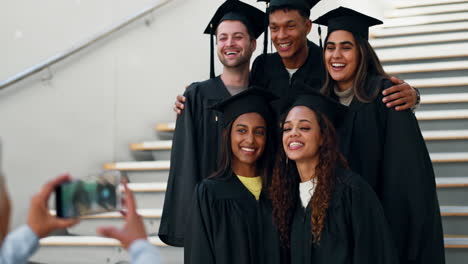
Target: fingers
[(129, 199), (65, 223), (392, 90), (181, 98), (397, 102), (395, 80), (403, 107), (109, 231), (49, 187)]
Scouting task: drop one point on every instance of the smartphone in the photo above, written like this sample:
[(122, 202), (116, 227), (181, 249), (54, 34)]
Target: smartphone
[(91, 195)]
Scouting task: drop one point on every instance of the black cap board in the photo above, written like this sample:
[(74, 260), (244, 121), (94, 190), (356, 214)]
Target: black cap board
[(316, 101), (299, 4), (250, 16), (343, 18), (252, 100)]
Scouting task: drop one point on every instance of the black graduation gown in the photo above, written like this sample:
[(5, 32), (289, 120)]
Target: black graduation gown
[(355, 230), (387, 149), (194, 154), (268, 71), (227, 225)]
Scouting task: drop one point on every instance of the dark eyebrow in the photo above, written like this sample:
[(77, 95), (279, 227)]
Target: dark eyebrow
[(302, 120), (242, 125), (346, 42), (342, 43)]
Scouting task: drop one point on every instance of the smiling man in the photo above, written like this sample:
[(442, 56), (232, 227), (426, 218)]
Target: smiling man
[(194, 156), (298, 59)]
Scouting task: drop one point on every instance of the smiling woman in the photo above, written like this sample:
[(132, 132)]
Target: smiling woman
[(383, 145), (319, 206), (231, 217)]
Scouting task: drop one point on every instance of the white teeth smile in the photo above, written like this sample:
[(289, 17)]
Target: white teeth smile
[(231, 53), (285, 45), (338, 64), (248, 149), (295, 144)]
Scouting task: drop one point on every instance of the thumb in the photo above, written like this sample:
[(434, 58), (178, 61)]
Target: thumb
[(110, 232), (65, 223)]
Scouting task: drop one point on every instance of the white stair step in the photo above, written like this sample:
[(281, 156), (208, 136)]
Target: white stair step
[(424, 52), (454, 210), (456, 242), (165, 127), (94, 241), (138, 165), (148, 186), (145, 213), (379, 32), (445, 135), (414, 3), (424, 20), (426, 67), (442, 114), (427, 10), (449, 157), (418, 39), (450, 182), (438, 82), (152, 145), (444, 98)]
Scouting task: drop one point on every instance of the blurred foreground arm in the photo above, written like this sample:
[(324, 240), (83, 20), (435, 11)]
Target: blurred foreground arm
[(20, 244), (132, 235)]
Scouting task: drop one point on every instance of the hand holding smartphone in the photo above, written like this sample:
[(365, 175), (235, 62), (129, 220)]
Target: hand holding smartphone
[(91, 195)]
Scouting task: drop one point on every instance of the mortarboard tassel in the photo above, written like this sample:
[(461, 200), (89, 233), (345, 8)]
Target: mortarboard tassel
[(212, 72), (320, 36), (265, 37)]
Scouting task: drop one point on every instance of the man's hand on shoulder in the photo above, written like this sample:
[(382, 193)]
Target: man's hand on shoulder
[(179, 103), (401, 96)]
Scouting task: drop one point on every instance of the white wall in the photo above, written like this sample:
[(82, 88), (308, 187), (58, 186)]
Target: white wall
[(99, 101)]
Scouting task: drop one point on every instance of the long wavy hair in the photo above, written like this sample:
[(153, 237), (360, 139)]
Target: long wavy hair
[(369, 64), (284, 189), (264, 163)]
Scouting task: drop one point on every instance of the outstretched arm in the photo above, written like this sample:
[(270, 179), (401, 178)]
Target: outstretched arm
[(401, 96)]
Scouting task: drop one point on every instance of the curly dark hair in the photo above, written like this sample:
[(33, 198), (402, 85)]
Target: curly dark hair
[(284, 189)]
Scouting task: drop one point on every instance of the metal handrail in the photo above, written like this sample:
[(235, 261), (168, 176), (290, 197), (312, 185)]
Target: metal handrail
[(84, 44)]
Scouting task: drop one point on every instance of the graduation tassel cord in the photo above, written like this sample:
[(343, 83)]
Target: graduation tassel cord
[(320, 36), (265, 37), (212, 73)]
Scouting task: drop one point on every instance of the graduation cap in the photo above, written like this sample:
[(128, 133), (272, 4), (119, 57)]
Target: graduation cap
[(299, 4), (250, 16), (316, 101), (252, 100), (343, 18)]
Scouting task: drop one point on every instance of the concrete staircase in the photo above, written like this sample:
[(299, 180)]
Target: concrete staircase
[(424, 42)]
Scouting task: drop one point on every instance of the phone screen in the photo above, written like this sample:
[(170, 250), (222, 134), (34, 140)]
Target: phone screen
[(89, 196)]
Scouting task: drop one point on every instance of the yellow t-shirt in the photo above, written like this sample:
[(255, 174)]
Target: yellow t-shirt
[(253, 184)]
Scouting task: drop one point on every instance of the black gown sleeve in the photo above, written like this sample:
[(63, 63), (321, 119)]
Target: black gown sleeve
[(408, 189), (199, 246), (372, 240), (183, 173), (257, 73)]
